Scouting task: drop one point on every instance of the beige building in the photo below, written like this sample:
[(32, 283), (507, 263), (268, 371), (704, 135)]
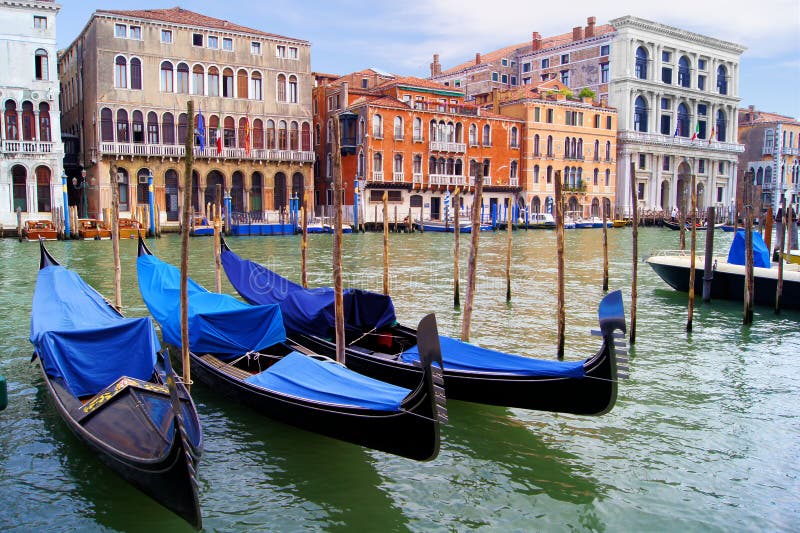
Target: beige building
[(125, 83)]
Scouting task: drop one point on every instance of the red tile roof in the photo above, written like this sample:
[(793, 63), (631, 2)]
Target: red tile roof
[(763, 117), (547, 42), (178, 15), (418, 82)]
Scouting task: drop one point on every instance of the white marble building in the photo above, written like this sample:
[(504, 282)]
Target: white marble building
[(31, 151), (677, 95)]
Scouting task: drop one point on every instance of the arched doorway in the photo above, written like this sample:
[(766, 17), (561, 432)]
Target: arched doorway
[(607, 204), (548, 205), (280, 192), (595, 207), (573, 205), (665, 196), (43, 201), (196, 191), (213, 179), (298, 186), (536, 205), (237, 192), (123, 184), (171, 192), (19, 176), (256, 184), (142, 187)]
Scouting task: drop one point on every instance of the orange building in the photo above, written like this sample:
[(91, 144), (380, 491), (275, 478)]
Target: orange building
[(576, 136), (414, 139)]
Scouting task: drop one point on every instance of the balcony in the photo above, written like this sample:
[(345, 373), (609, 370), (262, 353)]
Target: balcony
[(210, 152), (487, 180), (377, 176), (513, 182), (439, 146), (446, 179), (416, 178), (398, 177), (669, 141), (26, 147)]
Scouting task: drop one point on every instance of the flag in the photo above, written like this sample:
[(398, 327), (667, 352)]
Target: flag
[(247, 136), (696, 130), (711, 137), (219, 137), (201, 131)]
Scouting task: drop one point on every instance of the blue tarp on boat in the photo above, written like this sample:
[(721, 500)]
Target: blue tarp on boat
[(304, 377), (82, 340), (462, 356), (761, 257), (218, 323), (309, 311)]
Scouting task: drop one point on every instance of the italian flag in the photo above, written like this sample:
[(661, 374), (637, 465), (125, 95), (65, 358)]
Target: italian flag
[(219, 138), (696, 130)]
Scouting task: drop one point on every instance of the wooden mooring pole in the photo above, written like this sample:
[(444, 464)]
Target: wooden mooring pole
[(386, 243), (115, 236), (561, 311), (338, 291), (768, 230), (708, 265), (456, 253), (217, 221), (509, 225), (472, 264), (781, 240), (635, 269), (748, 265), (605, 250), (304, 241), (184, 296), (693, 250)]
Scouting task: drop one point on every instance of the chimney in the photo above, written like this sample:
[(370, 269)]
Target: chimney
[(345, 95), (477, 58), (590, 27), (577, 33), (436, 67), (536, 41)]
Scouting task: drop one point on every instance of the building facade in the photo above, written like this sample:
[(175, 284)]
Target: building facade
[(772, 154), (30, 140), (417, 141), (126, 81)]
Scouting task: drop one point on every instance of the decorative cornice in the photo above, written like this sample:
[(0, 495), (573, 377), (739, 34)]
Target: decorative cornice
[(656, 27), (48, 5)]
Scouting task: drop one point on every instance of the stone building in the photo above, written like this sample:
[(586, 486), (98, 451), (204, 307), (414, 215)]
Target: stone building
[(772, 153), (126, 80), (30, 140)]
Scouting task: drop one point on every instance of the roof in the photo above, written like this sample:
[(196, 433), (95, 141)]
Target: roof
[(526, 47), (178, 15), (411, 81), (763, 117)]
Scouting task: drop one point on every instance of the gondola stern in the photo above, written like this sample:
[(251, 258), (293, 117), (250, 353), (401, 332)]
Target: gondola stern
[(142, 247), (430, 354), (45, 259), (223, 245)]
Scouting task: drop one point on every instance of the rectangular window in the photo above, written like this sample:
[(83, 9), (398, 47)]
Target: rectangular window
[(721, 168), (504, 62), (255, 48), (564, 59), (546, 63), (40, 23), (293, 52), (537, 114), (504, 78), (526, 67), (702, 109), (549, 116), (603, 72), (701, 83), (135, 32), (457, 83), (665, 163), (227, 44), (213, 42), (701, 64), (642, 161), (280, 51), (608, 122), (720, 190), (665, 103), (666, 57), (666, 75), (166, 36), (120, 31), (701, 166), (640, 193), (513, 80), (495, 76), (526, 81), (604, 50), (565, 77), (197, 39), (666, 125)]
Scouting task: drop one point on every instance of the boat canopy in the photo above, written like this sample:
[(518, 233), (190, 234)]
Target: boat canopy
[(309, 311), (218, 323), (462, 356), (736, 255), (302, 376), (81, 339)]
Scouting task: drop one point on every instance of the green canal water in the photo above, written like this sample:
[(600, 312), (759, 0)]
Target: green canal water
[(704, 436)]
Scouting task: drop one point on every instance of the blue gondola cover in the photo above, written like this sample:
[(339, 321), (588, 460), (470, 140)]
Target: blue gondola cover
[(82, 340), (218, 323), (304, 377), (736, 255), (462, 356), (309, 311)]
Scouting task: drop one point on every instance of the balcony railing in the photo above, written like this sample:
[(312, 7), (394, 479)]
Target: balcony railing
[(513, 182), (669, 140), (398, 177), (446, 179), (26, 147), (176, 150), (487, 180), (439, 146), (416, 178), (377, 176)]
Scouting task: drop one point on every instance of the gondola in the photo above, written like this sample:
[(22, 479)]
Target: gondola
[(241, 351), (379, 347), (115, 389)]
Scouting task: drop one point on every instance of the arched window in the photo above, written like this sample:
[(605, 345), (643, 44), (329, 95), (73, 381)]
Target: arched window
[(398, 164), (41, 68), (198, 80), (596, 150), (152, 128), (121, 72), (684, 76), (536, 145), (213, 81), (136, 73), (122, 185), (142, 186), (28, 126), (213, 131), (361, 165), (640, 114), (608, 150), (377, 162), (514, 135), (282, 136), (608, 177), (721, 126), (293, 96), (487, 135), (20, 190), (432, 165), (398, 128), (183, 128), (473, 135), (486, 167), (579, 153), (512, 170), (168, 128), (683, 120), (255, 192), (305, 137), (122, 126), (459, 168), (377, 126), (459, 133), (722, 80), (12, 127), (549, 146), (229, 133), (641, 63), (281, 88), (241, 83), (329, 166), (237, 192), (256, 92), (317, 134), (450, 167), (182, 85), (43, 202), (44, 122), (258, 134), (294, 136), (137, 127), (227, 83), (567, 151), (243, 133), (270, 134), (166, 77), (596, 176), (536, 173)]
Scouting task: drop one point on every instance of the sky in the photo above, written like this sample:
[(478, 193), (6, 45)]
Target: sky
[(401, 37)]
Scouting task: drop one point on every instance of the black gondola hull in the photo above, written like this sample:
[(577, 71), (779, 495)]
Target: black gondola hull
[(412, 432)]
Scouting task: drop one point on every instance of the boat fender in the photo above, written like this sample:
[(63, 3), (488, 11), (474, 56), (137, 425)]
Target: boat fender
[(3, 393), (385, 340)]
